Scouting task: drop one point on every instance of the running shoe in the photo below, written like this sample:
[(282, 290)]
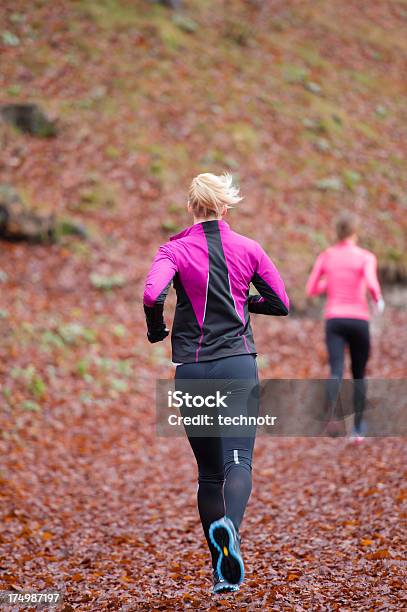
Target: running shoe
[(332, 429), (357, 437), (221, 586), (358, 433), (224, 537)]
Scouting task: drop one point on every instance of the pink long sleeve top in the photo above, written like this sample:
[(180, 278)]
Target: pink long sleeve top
[(345, 272)]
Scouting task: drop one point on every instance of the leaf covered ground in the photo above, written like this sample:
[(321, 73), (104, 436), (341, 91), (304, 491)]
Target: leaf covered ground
[(305, 103)]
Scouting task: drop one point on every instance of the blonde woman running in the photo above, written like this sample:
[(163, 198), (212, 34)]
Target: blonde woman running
[(211, 268)]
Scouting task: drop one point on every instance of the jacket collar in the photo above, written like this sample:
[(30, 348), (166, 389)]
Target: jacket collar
[(197, 228)]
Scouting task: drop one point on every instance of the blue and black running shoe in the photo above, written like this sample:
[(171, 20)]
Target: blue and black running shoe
[(224, 537)]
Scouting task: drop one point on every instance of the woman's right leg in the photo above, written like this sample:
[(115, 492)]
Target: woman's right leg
[(209, 458), (211, 506), (335, 343)]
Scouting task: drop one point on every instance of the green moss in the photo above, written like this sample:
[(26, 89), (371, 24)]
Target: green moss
[(125, 367), (37, 387), (170, 225), (330, 117), (112, 152), (96, 195), (351, 178), (82, 367), (238, 31), (213, 157), (119, 385), (14, 90), (107, 282), (364, 78), (311, 56), (244, 136), (109, 14), (367, 131), (75, 333), (30, 406), (394, 254), (317, 237), (294, 74), (50, 339), (157, 167), (171, 38), (175, 208)]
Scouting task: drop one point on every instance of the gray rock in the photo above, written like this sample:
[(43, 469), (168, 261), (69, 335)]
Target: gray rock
[(9, 39), (29, 118), (19, 223), (185, 23), (381, 110), (322, 144), (312, 87), (174, 4)]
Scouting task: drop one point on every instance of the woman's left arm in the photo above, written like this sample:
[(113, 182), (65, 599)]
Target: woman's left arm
[(372, 281), (159, 278), (273, 299)]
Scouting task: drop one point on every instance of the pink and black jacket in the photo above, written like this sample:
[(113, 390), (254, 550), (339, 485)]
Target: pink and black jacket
[(211, 268)]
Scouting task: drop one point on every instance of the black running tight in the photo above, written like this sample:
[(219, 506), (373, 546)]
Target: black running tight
[(224, 461), (355, 334)]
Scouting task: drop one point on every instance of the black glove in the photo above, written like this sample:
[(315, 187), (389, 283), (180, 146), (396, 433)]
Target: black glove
[(157, 336)]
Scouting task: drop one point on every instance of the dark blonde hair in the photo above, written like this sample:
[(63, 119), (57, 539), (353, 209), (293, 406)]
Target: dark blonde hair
[(345, 225)]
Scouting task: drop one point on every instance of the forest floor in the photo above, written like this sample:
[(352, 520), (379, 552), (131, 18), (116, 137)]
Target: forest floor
[(93, 503)]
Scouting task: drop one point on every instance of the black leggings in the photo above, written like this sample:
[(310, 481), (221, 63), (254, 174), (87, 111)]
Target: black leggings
[(355, 334), (224, 462)]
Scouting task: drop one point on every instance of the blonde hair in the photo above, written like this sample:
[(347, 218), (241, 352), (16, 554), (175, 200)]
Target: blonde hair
[(209, 194)]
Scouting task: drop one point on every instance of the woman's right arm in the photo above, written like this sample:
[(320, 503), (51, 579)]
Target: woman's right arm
[(317, 283), (159, 278)]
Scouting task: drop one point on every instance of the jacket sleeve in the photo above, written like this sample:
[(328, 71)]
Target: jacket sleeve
[(273, 299), (317, 283), (372, 281), (158, 281)]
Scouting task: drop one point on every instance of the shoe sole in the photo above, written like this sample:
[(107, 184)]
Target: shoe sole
[(358, 440), (230, 564), (231, 588)]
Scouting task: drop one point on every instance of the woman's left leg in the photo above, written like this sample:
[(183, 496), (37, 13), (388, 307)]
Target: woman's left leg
[(211, 506)]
